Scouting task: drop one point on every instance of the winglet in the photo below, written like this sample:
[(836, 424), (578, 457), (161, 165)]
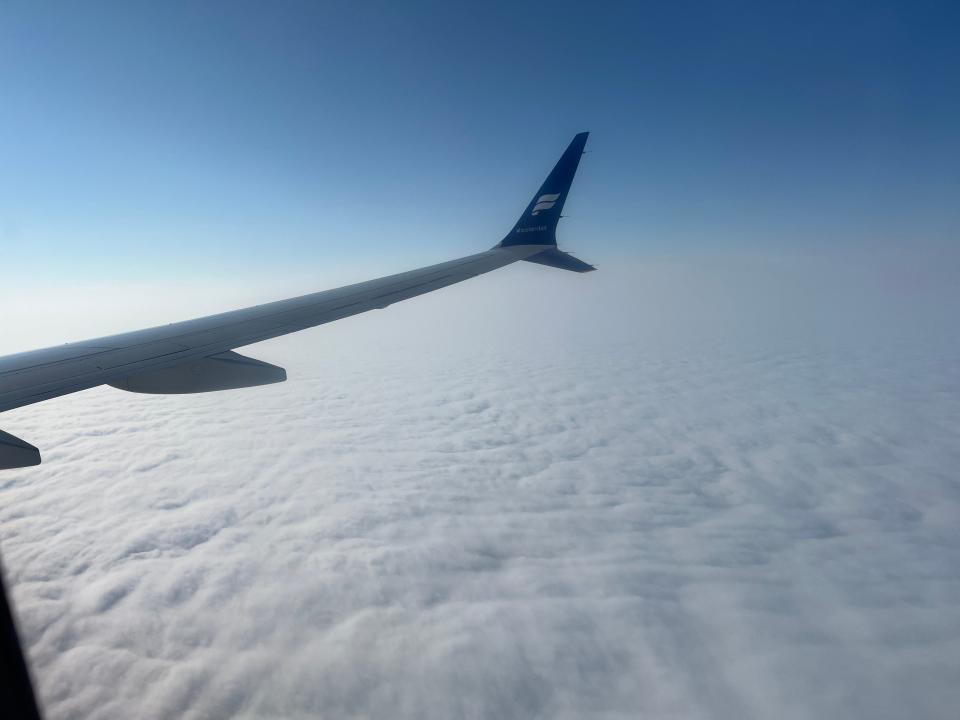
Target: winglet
[(538, 224)]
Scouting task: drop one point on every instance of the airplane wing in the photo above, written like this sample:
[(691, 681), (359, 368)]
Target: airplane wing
[(197, 355)]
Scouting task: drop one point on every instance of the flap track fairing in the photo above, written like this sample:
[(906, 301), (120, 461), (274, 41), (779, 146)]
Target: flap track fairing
[(223, 371)]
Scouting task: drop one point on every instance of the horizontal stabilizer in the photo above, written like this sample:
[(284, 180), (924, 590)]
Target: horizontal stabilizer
[(559, 259), (15, 453), (223, 371)]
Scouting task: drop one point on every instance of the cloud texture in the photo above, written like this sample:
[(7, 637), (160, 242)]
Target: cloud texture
[(453, 513)]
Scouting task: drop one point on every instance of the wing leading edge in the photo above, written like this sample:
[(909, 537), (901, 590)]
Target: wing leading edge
[(195, 355)]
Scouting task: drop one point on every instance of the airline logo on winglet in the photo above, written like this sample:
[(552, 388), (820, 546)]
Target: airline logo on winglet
[(544, 202)]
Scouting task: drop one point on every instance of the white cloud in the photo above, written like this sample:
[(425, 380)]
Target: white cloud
[(533, 495)]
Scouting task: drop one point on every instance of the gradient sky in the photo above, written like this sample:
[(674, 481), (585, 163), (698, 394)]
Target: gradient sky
[(715, 479), (211, 139)]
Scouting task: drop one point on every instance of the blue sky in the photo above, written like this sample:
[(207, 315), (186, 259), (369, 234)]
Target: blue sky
[(715, 479), (221, 138)]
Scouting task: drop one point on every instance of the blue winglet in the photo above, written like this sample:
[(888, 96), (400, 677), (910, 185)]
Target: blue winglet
[(538, 224)]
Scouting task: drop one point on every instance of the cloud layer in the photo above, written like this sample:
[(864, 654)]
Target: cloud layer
[(563, 522)]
